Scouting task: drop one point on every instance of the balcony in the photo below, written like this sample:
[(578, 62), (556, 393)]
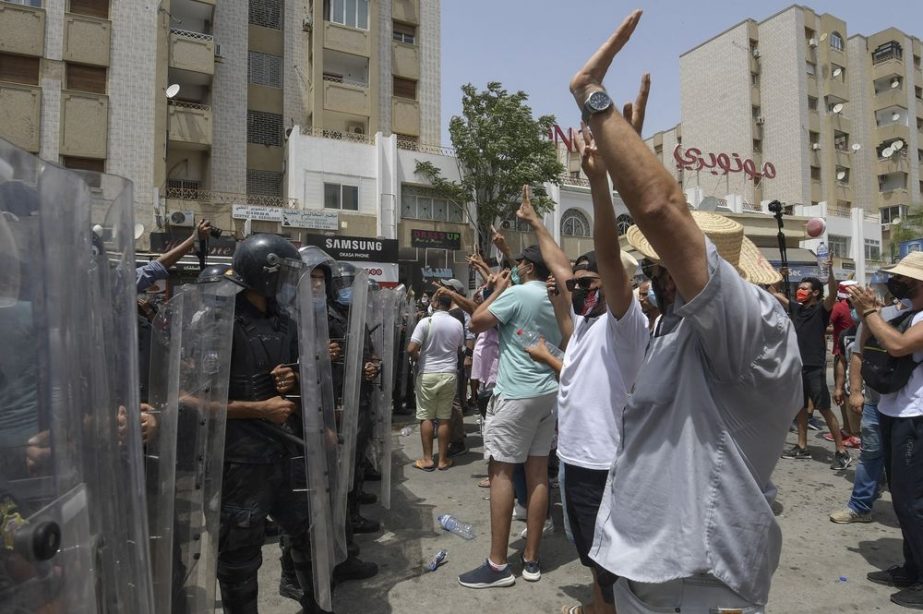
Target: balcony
[(754, 64), (889, 132), (407, 11), (841, 123), (405, 60), (895, 97), (892, 66), (86, 39), (190, 124), (755, 95), (898, 196), (817, 191), (919, 105), (346, 40), (886, 166), (346, 97), (405, 116), (192, 51), (22, 29), (85, 124), (814, 120), (835, 86), (20, 114)]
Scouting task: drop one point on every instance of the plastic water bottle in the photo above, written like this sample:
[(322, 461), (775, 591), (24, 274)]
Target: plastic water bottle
[(823, 254), (454, 525), (407, 430), (529, 338), (437, 560)]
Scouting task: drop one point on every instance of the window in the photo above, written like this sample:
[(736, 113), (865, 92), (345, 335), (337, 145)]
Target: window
[(186, 188), (93, 8), (815, 173), (918, 92), (842, 175), (264, 69), (405, 88), (754, 78), (755, 111), (84, 164), (839, 246), (337, 196), (837, 72), (264, 128), (423, 204), (19, 69), (891, 215), (352, 13), (920, 155), (266, 13), (814, 137), (887, 51), (623, 223), (840, 140), (811, 67), (575, 224), (404, 33), (872, 249), (33, 3), (812, 103), (85, 78), (757, 146), (836, 41), (264, 183)]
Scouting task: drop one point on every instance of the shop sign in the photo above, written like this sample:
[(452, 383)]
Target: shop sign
[(314, 219), (355, 249), (692, 159), (435, 239), (258, 213)]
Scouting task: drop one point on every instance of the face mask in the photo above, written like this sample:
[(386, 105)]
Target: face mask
[(345, 296), (424, 300), (652, 297), (854, 315), (584, 301), (802, 295), (900, 289), (514, 276)]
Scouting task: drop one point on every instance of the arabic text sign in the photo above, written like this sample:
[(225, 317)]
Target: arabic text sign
[(435, 238), (692, 159), (257, 212), (317, 219)]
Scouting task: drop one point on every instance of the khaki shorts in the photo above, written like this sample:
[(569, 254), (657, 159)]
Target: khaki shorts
[(516, 429), (435, 392)]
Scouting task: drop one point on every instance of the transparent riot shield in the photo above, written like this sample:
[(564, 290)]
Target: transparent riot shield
[(72, 511), (390, 299), (320, 440), (376, 335), (205, 362), (409, 323), (352, 382)]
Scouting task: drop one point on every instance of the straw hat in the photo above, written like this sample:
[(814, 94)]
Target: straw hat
[(728, 238), (910, 265)]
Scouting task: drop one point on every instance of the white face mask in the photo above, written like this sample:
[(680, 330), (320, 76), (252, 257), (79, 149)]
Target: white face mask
[(429, 310)]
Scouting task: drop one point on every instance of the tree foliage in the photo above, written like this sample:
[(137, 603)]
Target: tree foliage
[(909, 228), (499, 147)]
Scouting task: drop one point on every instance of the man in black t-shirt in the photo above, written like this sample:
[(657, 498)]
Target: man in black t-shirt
[(811, 315)]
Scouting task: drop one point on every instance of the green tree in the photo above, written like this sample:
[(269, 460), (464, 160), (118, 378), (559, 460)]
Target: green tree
[(908, 228), (499, 147)]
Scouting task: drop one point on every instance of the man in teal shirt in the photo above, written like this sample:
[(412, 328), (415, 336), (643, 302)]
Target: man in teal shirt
[(520, 417)]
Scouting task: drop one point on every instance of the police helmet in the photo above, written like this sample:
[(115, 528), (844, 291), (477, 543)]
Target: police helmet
[(261, 259), (213, 272), (315, 258), (344, 275)]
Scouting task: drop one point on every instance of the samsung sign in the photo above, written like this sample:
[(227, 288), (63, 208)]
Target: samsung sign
[(355, 249)]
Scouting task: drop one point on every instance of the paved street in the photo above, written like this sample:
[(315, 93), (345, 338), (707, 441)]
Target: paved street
[(816, 552)]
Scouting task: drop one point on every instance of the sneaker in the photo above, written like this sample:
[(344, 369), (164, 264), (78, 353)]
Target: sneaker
[(841, 460), (486, 576), (848, 515), (519, 512), (531, 571), (546, 530), (797, 452), (814, 424), (895, 576), (910, 597)]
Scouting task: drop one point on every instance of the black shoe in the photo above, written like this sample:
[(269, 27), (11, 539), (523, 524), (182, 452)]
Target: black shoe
[(352, 549), (896, 576), (354, 568), (910, 597), (455, 449), (364, 525), (372, 476), (797, 452), (841, 460), (367, 498), (272, 529), (289, 587)]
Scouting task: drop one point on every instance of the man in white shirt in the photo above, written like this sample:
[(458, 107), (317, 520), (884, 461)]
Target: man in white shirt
[(434, 345)]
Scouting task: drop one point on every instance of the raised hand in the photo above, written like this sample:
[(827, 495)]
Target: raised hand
[(634, 112), (499, 240), (594, 167), (526, 212), (590, 77)]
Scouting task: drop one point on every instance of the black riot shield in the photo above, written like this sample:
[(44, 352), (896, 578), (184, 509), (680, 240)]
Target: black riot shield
[(72, 514)]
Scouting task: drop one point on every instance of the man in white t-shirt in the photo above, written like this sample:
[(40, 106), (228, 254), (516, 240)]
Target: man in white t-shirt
[(901, 421), (434, 345)]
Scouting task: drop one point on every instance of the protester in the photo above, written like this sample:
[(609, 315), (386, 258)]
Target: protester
[(696, 455), (155, 270), (461, 309), (434, 346), (840, 321), (901, 416), (649, 304)]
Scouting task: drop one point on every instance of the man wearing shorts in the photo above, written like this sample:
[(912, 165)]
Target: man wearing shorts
[(434, 346), (520, 415)]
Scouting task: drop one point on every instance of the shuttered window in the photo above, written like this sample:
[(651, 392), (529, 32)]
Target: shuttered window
[(19, 69), (82, 78)]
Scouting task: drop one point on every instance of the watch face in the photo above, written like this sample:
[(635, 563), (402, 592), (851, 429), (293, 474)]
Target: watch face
[(599, 101)]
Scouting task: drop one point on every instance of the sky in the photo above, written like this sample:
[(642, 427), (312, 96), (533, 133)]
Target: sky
[(537, 45)]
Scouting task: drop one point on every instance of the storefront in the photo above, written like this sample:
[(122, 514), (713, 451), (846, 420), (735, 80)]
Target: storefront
[(377, 256)]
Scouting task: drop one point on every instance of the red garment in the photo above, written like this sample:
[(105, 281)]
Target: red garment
[(841, 320)]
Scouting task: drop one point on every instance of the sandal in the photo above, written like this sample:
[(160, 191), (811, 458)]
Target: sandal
[(449, 464), (419, 465), (572, 609), (485, 483)]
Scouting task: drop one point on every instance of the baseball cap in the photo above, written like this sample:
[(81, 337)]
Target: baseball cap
[(456, 285), (532, 254)]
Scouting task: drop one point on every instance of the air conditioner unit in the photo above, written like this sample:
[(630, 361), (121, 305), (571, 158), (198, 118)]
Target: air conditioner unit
[(307, 23), (505, 225), (756, 52), (355, 127), (760, 121), (812, 42), (218, 51), (182, 218)]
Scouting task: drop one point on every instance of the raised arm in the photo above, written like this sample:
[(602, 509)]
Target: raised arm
[(482, 319), (652, 196), (830, 299), (174, 255), (500, 242), (552, 254), (897, 343)]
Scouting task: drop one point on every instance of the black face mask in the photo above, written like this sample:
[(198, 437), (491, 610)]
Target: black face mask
[(900, 289), (585, 302)]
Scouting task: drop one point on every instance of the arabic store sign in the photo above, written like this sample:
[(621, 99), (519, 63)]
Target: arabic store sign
[(693, 159), (317, 219), (435, 238)]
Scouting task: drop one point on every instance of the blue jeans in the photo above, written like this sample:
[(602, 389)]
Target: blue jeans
[(871, 463)]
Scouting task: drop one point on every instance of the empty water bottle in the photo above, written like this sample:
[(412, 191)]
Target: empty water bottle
[(528, 338), (823, 254), (437, 560), (454, 525), (407, 430)]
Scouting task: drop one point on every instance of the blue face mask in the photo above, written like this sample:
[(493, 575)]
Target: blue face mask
[(854, 315), (652, 297), (514, 276), (345, 296)]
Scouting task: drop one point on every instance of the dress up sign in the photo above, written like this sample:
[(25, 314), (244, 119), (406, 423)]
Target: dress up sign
[(692, 159), (435, 238)]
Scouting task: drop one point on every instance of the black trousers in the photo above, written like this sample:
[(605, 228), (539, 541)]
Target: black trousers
[(902, 448)]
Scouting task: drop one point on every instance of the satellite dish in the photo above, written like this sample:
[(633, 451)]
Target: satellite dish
[(823, 36), (837, 71), (897, 145), (139, 231), (895, 83), (887, 152), (896, 220), (173, 90), (709, 203), (838, 107), (815, 146), (98, 230), (841, 175), (856, 146), (895, 116)]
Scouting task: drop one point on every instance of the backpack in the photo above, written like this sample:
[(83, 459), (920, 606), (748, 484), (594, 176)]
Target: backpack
[(883, 372)]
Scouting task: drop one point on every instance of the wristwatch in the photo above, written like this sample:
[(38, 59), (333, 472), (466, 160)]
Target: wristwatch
[(596, 102)]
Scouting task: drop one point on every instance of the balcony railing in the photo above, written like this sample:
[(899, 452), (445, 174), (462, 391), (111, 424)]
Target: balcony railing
[(339, 136), (411, 145), (229, 198), (182, 104), (339, 79), (196, 36), (574, 181)]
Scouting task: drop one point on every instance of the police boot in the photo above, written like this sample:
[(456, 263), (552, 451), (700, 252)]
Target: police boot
[(240, 597), (362, 524), (306, 581), (288, 582), (353, 568)]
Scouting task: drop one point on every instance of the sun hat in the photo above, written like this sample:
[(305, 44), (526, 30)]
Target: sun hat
[(728, 238), (910, 266)]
